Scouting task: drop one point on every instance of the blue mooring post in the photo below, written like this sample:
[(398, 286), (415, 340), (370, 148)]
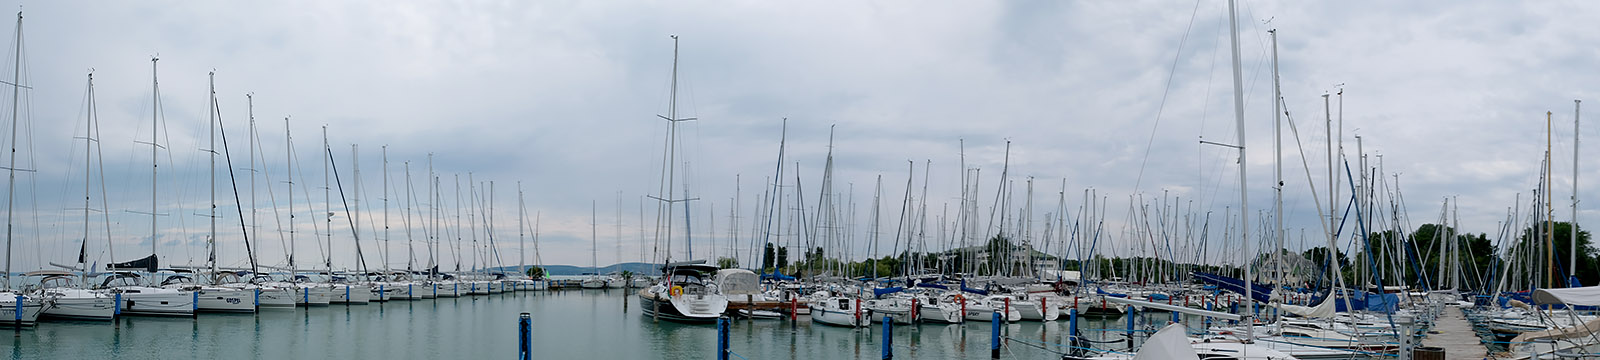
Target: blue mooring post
[(722, 338), (1132, 313), (1234, 309), (525, 337), (888, 337), (117, 307), (1072, 325), (1177, 317), (19, 308), (994, 337)]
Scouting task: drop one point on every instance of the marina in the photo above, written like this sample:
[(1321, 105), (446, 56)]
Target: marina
[(930, 182)]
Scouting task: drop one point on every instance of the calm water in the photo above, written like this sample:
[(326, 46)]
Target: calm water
[(573, 324)]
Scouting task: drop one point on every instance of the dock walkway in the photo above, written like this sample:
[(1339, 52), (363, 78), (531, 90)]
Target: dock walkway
[(1455, 335)]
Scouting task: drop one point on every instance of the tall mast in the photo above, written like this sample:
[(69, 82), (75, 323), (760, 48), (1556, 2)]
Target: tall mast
[(522, 249), (385, 150), (429, 240), (88, 142), (251, 110), (1244, 194), (11, 170), (594, 239), (355, 212), (211, 242), (1550, 210), (1277, 156), (288, 154), (411, 253), (327, 200), (1572, 229), (155, 96)]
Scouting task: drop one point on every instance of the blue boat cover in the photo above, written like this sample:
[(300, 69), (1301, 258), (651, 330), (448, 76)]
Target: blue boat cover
[(1111, 294), (971, 290), (776, 275), (880, 292), (1260, 293)]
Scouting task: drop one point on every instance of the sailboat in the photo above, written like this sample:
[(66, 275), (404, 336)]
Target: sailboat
[(140, 294), (684, 293), (594, 281), (16, 308), (267, 294), (208, 295), (71, 295), (345, 289)]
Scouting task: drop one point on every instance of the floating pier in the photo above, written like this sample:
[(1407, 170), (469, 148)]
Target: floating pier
[(1452, 332)]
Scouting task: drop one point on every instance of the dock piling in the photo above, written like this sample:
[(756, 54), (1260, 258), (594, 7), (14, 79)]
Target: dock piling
[(888, 337), (525, 336), (722, 338), (994, 337)]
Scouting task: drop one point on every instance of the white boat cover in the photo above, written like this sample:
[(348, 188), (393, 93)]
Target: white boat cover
[(1324, 310), (738, 282), (1579, 296), (1171, 343)]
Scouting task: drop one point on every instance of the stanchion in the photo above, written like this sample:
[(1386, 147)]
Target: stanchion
[(888, 337), (994, 337), (525, 336)]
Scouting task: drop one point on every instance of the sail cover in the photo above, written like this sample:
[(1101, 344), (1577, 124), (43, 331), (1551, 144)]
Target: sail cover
[(1322, 310), (1579, 296), (148, 263), (1171, 343)]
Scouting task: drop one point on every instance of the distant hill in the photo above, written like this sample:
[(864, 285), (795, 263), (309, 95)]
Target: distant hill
[(636, 267)]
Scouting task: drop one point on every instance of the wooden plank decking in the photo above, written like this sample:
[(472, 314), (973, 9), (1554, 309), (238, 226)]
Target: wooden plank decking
[(1454, 334)]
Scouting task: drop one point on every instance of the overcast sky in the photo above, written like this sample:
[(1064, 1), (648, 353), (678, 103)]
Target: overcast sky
[(563, 97)]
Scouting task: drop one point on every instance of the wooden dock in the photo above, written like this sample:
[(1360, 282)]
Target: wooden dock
[(1453, 332)]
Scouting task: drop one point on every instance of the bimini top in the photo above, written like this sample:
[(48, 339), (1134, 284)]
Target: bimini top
[(687, 266), (49, 273), (1578, 296)]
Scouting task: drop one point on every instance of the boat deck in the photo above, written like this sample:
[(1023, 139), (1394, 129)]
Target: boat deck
[(1454, 333)]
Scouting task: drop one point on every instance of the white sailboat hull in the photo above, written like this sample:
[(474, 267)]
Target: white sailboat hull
[(155, 301), (80, 304), (275, 298), (351, 294), (22, 311), (226, 300)]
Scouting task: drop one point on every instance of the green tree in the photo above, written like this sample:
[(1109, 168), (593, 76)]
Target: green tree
[(1539, 248), (727, 262), (535, 272), (767, 258), (783, 257)]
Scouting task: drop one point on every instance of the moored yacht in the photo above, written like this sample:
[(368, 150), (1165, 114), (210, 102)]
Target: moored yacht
[(71, 300), (135, 298), (686, 294), (18, 310)]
